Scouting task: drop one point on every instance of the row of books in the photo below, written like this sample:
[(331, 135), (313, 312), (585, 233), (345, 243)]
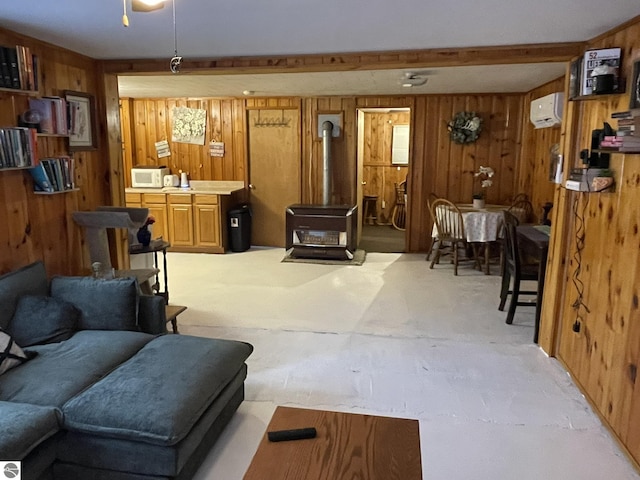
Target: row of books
[(625, 139), (54, 114), (18, 68), (18, 147), (53, 174)]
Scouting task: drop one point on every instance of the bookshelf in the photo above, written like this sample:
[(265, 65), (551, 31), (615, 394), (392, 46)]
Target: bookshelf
[(36, 192)]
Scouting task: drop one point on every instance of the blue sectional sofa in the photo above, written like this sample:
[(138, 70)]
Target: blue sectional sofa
[(92, 388)]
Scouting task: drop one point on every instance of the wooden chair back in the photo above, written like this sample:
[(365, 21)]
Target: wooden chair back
[(448, 219), (522, 210), (511, 251)]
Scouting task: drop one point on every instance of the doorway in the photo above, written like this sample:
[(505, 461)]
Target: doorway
[(383, 169)]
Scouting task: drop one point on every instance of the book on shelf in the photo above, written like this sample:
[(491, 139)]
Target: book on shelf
[(57, 172), (59, 115), (18, 147), (18, 68), (41, 182)]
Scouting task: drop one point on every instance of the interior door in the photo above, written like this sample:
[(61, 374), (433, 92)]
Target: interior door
[(274, 172)]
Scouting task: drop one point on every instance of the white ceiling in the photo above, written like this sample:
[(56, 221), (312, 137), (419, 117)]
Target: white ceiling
[(208, 29)]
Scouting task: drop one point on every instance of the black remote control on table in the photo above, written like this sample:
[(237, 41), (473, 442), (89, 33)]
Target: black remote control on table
[(295, 434)]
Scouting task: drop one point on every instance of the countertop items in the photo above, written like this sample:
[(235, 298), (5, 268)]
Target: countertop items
[(215, 187)]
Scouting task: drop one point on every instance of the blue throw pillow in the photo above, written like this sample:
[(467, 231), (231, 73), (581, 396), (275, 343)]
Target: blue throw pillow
[(39, 319), (103, 304)]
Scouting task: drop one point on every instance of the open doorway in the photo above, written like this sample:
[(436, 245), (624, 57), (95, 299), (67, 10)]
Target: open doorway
[(383, 170)]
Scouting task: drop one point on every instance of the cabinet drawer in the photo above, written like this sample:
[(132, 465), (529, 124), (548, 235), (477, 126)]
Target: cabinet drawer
[(132, 197), (206, 199), (180, 198), (154, 198)]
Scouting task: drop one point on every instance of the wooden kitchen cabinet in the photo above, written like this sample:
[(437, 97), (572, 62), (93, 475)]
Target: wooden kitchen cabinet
[(207, 220), (157, 205), (180, 214), (193, 221)]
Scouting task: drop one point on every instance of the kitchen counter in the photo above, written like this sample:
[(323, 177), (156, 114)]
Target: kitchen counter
[(211, 187)]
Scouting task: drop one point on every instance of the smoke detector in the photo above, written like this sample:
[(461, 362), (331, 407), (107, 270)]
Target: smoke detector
[(411, 79)]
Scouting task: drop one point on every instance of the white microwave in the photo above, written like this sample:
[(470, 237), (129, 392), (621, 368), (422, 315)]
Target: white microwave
[(148, 177)]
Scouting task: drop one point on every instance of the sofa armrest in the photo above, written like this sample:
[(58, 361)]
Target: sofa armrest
[(151, 314)]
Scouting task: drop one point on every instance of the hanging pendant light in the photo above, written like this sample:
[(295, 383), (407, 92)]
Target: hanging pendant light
[(146, 5), (176, 60)]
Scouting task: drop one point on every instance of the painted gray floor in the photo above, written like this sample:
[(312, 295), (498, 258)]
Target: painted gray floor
[(393, 338)]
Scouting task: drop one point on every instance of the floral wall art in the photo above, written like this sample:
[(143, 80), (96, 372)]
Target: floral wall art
[(189, 125)]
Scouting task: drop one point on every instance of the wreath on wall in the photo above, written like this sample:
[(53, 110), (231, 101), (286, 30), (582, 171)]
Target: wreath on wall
[(465, 127)]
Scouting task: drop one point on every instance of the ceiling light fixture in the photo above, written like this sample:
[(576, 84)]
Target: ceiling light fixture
[(140, 6), (411, 79), (146, 5)]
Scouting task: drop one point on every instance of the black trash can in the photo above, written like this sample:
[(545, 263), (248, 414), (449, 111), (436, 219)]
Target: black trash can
[(239, 228)]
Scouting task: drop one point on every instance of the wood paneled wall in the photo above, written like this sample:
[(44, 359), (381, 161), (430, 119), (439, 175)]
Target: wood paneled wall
[(535, 161), (603, 355), (436, 165), (39, 227), (147, 121), (447, 169), (379, 174)]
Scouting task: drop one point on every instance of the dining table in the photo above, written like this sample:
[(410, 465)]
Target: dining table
[(482, 226), (533, 240)]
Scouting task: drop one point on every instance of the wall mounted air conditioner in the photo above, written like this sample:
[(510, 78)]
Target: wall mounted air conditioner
[(547, 111)]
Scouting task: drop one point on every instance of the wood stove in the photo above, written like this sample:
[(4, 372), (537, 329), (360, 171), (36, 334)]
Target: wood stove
[(321, 231)]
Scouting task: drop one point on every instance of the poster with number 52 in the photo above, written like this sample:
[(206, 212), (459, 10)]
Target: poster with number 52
[(595, 58)]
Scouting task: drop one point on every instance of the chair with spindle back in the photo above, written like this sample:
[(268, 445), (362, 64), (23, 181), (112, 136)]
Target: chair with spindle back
[(399, 212), (432, 197), (450, 226)]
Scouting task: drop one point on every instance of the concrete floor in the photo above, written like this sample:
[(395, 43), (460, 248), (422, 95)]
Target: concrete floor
[(393, 338)]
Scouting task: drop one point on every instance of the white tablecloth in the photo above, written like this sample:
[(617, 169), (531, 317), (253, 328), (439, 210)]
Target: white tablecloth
[(480, 225)]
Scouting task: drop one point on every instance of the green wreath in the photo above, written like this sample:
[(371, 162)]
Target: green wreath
[(465, 127)]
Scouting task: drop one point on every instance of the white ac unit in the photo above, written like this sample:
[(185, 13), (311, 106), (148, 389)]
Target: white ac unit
[(547, 111)]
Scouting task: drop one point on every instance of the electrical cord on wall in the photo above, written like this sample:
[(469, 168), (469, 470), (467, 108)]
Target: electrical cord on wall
[(579, 305)]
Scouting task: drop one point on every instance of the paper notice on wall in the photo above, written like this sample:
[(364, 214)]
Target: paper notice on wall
[(216, 149), (162, 149)]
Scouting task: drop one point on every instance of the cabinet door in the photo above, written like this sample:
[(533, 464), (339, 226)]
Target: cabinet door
[(157, 205), (207, 225), (181, 225)]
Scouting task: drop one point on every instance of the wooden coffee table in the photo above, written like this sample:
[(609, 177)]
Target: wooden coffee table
[(348, 446)]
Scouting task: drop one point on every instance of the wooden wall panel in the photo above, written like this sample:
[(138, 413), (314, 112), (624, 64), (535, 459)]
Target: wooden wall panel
[(147, 121), (533, 174), (447, 169), (38, 227), (603, 355)]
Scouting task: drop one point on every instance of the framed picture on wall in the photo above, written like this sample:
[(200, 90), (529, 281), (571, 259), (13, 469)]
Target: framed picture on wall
[(634, 97), (81, 119)]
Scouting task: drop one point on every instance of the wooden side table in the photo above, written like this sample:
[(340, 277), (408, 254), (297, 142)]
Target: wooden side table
[(159, 245), (154, 247)]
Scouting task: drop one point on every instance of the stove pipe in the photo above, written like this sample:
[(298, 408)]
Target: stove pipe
[(327, 128)]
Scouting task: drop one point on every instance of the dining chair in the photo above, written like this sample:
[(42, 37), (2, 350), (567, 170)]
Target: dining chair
[(514, 269), (522, 209), (432, 197), (451, 236)]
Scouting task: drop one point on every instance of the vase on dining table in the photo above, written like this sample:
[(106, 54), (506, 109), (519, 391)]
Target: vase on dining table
[(478, 203)]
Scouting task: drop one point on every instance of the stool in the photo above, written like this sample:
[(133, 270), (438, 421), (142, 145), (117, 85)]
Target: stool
[(370, 209)]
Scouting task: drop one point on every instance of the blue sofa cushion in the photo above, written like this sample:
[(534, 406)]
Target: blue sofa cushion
[(62, 370), (41, 319), (24, 427), (103, 304), (11, 355), (31, 279), (160, 393)]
